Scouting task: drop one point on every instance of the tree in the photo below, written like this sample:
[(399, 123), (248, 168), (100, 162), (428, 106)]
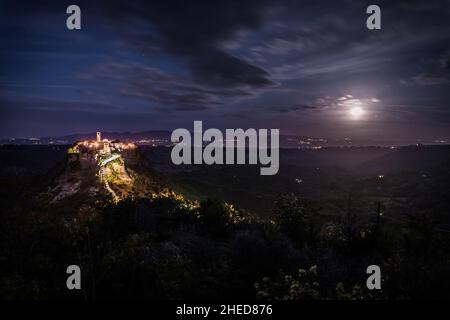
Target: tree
[(215, 217), (296, 220), (287, 287)]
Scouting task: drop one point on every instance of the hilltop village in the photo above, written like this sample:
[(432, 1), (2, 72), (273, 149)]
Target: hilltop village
[(100, 150), (105, 161)]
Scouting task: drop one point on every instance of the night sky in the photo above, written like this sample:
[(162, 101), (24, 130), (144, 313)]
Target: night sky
[(301, 66)]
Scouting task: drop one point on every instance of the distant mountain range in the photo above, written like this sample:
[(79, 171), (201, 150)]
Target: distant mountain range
[(162, 137)]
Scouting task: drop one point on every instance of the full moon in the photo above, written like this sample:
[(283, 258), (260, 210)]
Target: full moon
[(356, 112)]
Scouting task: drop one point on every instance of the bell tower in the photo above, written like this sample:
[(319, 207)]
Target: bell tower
[(99, 136)]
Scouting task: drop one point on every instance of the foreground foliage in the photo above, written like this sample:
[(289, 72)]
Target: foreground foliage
[(164, 246)]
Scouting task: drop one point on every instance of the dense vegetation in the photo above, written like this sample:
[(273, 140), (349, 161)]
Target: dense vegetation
[(164, 246), (168, 247)]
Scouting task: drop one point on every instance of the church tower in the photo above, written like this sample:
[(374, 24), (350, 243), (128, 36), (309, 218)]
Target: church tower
[(99, 136)]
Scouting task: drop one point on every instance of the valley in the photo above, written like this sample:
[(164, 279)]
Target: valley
[(212, 231)]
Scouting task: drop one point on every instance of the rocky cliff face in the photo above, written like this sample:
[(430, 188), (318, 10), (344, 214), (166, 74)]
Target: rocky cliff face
[(84, 177)]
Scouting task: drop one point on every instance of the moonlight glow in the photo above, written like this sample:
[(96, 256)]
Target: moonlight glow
[(356, 112), (354, 106)]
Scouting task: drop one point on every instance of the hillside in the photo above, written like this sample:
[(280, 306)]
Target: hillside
[(314, 242)]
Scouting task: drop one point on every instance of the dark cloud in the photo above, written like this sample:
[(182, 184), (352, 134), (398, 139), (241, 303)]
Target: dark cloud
[(188, 29), (221, 69), (19, 104), (292, 108), (194, 30), (169, 92), (269, 62), (439, 74)]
